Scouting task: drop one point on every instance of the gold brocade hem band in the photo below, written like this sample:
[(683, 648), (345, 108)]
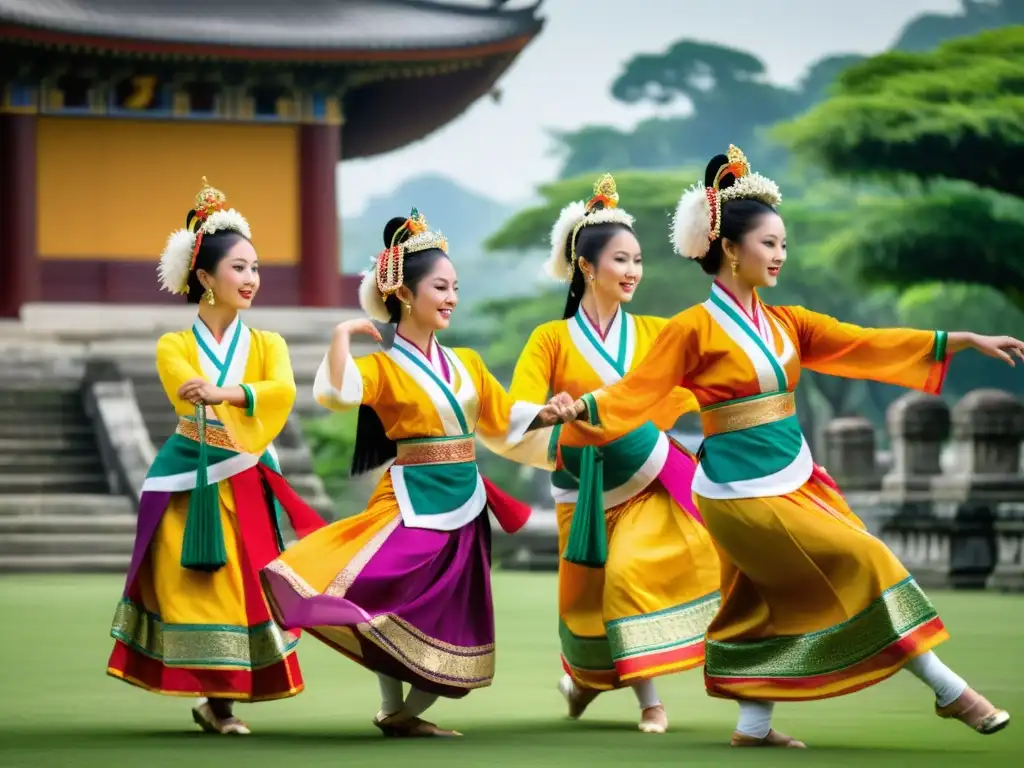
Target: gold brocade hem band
[(452, 665), (201, 646), (216, 435), (664, 631), (745, 414), (445, 450)]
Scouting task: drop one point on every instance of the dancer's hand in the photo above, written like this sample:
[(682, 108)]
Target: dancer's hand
[(1005, 348), (198, 391), (359, 326), (557, 410)]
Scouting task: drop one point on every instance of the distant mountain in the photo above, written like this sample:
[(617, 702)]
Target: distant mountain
[(466, 217)]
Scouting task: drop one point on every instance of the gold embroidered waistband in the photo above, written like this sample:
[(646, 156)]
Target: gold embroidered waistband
[(216, 434), (453, 450), (744, 414)]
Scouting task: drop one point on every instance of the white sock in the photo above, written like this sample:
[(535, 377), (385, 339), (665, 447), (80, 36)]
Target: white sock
[(418, 702), (755, 718), (391, 694), (946, 683), (646, 694)]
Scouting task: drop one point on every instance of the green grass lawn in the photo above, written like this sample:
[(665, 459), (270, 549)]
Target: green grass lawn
[(58, 708)]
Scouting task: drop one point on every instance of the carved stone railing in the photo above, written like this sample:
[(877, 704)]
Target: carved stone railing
[(121, 434)]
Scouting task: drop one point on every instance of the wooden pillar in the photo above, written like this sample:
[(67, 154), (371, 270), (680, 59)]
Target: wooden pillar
[(19, 266), (319, 265)]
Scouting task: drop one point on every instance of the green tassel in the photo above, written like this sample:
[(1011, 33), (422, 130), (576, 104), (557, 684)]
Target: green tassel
[(588, 539), (203, 546)]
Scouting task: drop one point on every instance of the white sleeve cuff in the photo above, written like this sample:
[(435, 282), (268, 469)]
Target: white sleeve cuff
[(351, 393)]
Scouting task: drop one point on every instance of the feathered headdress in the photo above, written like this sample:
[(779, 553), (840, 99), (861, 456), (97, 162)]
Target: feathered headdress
[(602, 208), (698, 218), (386, 273), (210, 215)]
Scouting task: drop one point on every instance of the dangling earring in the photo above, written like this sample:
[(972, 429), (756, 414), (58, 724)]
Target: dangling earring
[(210, 298), (734, 265), (407, 305)]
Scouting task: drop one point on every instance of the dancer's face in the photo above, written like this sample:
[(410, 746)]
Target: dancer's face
[(619, 268), (760, 254)]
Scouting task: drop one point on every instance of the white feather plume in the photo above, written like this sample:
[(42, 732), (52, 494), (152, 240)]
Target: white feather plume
[(557, 266), (175, 261), (230, 219), (691, 224), (370, 299)]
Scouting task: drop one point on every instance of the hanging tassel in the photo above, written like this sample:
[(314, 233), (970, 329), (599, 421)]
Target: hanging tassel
[(203, 546), (588, 539)]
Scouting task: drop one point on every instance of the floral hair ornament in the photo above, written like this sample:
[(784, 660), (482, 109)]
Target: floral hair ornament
[(209, 215), (387, 271), (602, 208), (698, 218)]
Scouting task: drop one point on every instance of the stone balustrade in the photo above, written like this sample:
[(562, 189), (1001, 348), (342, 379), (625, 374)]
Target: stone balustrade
[(952, 504)]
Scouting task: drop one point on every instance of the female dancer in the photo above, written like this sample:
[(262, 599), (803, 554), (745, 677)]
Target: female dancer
[(813, 606), (637, 606), (404, 587), (193, 620)]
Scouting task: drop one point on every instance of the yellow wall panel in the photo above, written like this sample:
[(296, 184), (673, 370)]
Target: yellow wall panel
[(115, 189)]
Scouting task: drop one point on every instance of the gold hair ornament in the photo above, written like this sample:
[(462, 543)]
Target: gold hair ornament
[(210, 214), (601, 208), (698, 218), (388, 271)]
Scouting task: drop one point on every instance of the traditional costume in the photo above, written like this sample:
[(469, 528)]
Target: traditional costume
[(193, 620), (638, 578), (813, 605), (404, 587)]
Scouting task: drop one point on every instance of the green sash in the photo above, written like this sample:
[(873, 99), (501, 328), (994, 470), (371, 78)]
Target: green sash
[(592, 471), (437, 489), (203, 542)]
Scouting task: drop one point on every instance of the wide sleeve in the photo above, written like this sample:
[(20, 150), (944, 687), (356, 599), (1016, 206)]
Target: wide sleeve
[(504, 423), (269, 401), (627, 404), (174, 369), (900, 356), (680, 401), (531, 379), (361, 383)]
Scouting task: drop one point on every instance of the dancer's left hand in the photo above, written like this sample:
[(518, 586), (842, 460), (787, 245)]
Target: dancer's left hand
[(1005, 348), (198, 391)]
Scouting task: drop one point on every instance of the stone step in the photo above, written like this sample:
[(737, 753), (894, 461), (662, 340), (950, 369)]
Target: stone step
[(67, 482), (58, 445), (59, 524), (14, 414), (50, 543), (82, 504), (34, 397), (66, 563), (82, 431), (31, 463)]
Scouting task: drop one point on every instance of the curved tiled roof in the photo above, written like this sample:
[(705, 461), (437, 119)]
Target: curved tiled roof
[(300, 30)]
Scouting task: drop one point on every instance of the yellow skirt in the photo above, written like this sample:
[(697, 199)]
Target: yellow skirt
[(181, 632), (645, 613), (813, 606)]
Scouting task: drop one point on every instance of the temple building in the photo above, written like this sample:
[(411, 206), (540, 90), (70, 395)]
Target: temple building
[(112, 112)]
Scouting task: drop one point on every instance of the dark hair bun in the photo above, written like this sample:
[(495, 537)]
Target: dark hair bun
[(714, 166), (393, 226)]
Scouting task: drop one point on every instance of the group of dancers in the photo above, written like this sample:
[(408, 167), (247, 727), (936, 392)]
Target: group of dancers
[(744, 558)]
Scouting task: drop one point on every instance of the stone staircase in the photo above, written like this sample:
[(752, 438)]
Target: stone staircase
[(56, 512)]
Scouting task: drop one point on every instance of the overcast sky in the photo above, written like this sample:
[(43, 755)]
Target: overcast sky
[(562, 80)]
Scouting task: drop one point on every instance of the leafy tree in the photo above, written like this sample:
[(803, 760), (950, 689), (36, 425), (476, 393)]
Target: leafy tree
[(953, 120)]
